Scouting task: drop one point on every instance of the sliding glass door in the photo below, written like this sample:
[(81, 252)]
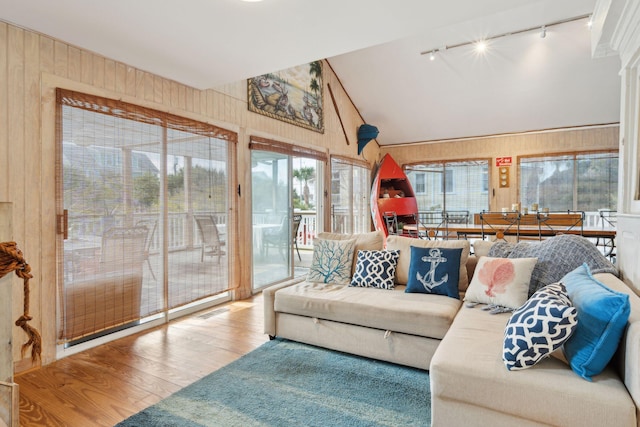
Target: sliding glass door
[(287, 205), (272, 217), (144, 197)]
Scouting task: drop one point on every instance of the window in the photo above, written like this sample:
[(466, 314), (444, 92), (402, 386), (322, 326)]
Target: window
[(350, 188), (420, 183), (580, 181), (448, 181), (453, 185)]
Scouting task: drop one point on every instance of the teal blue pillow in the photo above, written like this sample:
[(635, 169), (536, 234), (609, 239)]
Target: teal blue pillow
[(434, 271), (602, 318)]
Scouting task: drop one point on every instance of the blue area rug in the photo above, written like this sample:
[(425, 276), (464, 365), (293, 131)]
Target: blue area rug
[(283, 383)]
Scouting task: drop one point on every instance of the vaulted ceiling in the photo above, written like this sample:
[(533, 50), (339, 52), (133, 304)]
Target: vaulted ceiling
[(521, 83)]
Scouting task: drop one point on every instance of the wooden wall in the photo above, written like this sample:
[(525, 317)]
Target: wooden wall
[(526, 144), (33, 65)]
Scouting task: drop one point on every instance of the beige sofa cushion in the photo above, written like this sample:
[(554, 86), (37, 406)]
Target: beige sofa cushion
[(403, 244), (393, 310), (372, 241), (482, 247), (468, 368)]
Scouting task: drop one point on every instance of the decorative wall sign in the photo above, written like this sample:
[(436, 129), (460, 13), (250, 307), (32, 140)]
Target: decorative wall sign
[(293, 95), (503, 161)]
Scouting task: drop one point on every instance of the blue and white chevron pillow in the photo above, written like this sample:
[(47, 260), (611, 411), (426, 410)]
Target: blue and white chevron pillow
[(539, 327), (375, 269)]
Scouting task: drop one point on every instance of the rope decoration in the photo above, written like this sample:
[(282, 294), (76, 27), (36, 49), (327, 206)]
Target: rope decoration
[(11, 259)]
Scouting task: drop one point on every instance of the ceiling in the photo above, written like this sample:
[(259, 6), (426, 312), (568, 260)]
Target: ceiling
[(522, 83)]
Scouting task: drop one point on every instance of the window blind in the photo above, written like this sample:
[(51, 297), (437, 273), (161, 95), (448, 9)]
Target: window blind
[(135, 182)]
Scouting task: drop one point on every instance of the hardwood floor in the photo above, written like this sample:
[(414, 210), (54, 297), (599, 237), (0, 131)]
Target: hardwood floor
[(104, 385)]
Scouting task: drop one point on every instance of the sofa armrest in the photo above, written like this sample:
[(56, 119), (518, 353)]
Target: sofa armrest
[(269, 296)]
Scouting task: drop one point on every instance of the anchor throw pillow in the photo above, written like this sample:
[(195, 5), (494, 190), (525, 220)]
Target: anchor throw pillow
[(434, 271), (538, 328)]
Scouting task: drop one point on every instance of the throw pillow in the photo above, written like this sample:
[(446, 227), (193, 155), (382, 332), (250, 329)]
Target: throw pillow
[(501, 281), (557, 256), (602, 318), (375, 269), (434, 271), (371, 241), (404, 244), (331, 262), (539, 327)]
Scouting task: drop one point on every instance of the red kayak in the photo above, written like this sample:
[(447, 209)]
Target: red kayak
[(391, 192)]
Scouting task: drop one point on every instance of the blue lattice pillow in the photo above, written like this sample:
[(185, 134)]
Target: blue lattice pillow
[(375, 269), (539, 327)]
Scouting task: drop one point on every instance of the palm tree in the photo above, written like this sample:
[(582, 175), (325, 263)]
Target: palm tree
[(315, 70), (314, 86), (304, 174)]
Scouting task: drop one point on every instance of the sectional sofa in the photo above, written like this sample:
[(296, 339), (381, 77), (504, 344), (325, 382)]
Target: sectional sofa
[(461, 344)]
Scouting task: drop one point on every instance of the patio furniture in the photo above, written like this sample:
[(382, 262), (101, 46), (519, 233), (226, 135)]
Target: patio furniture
[(281, 237), (211, 242), (151, 225)]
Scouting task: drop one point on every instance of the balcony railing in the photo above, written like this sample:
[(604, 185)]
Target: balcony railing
[(182, 232)]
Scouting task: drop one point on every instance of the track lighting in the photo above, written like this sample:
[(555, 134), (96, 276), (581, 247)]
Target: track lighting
[(482, 44)]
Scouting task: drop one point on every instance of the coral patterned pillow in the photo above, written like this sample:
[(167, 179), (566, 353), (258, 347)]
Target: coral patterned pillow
[(501, 281), (331, 262)]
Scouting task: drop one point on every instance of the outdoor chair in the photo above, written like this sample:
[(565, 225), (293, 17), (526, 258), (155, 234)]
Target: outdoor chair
[(212, 244), (281, 238), (151, 225)]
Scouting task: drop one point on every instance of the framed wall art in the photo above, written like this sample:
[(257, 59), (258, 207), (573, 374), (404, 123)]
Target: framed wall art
[(293, 95)]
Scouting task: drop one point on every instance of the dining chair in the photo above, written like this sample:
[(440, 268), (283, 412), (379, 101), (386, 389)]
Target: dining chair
[(499, 224), (391, 222), (561, 222)]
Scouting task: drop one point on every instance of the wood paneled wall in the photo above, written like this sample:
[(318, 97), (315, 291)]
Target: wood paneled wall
[(514, 146), (32, 65)]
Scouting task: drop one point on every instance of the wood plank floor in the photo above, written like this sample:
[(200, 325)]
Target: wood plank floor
[(104, 385)]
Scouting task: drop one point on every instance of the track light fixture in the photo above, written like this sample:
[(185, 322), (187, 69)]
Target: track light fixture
[(481, 44)]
